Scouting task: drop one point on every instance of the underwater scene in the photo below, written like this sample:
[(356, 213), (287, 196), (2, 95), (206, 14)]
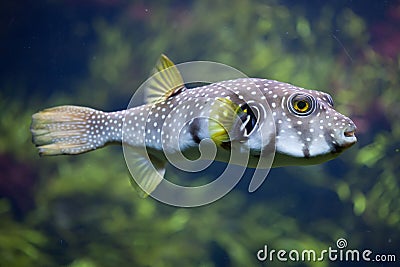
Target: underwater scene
[(85, 211)]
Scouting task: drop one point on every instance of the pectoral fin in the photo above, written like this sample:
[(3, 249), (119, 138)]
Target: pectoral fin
[(228, 121)]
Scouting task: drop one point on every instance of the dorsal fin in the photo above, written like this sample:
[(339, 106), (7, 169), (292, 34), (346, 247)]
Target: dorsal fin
[(165, 81)]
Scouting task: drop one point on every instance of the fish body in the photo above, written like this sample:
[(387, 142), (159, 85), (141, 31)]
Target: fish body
[(301, 126)]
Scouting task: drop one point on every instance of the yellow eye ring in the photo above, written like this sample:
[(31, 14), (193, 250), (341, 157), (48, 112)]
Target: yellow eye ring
[(301, 104)]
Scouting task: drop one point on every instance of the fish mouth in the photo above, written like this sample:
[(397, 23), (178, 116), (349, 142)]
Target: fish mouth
[(349, 136), (350, 133)]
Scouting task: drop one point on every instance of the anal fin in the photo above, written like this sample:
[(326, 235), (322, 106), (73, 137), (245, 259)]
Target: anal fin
[(146, 170)]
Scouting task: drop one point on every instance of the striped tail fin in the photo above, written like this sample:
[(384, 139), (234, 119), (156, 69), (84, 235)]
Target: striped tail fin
[(67, 130)]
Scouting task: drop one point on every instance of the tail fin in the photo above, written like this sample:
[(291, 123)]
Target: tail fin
[(65, 130)]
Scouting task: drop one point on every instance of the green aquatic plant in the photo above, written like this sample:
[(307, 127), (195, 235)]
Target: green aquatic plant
[(20, 245)]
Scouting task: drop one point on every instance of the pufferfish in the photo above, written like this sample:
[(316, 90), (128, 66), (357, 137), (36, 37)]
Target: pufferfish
[(301, 125)]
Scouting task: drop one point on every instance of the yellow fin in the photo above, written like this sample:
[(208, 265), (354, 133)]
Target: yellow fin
[(223, 116), (147, 172), (165, 81)]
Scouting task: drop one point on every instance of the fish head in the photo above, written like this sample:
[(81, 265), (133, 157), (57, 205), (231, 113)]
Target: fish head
[(301, 125), (308, 128)]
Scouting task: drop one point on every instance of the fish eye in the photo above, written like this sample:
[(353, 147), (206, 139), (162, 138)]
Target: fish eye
[(301, 104)]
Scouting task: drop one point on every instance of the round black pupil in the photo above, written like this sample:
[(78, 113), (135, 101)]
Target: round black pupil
[(302, 104)]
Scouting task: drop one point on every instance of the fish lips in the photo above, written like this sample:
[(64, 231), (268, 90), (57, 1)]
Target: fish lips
[(348, 139)]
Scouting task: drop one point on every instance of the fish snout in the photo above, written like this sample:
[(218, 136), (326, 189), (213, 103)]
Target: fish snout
[(348, 136)]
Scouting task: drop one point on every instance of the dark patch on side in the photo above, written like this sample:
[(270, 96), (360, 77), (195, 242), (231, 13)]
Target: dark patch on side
[(306, 152), (196, 84), (177, 91), (194, 129), (226, 145), (335, 148), (303, 137)]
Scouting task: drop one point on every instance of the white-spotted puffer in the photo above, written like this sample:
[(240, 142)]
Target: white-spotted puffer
[(301, 125)]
